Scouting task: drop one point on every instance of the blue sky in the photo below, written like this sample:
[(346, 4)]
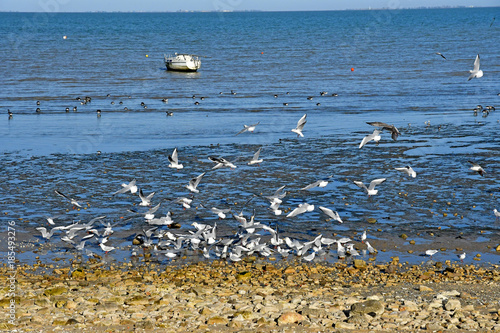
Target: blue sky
[(204, 5)]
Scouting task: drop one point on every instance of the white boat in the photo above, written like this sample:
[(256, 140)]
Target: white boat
[(182, 62)]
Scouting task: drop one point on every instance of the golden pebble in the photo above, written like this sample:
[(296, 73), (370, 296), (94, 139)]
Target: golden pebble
[(410, 251), (442, 249), (482, 231), (478, 255), (474, 206), (455, 214), (477, 259), (434, 200), (439, 228)]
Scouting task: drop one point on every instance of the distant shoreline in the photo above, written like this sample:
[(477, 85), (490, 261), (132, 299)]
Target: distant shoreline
[(259, 11)]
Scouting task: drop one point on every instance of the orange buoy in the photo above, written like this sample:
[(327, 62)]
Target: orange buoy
[(262, 53), (352, 69)]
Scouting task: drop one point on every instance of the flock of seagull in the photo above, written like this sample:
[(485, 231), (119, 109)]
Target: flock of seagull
[(252, 237), (159, 238)]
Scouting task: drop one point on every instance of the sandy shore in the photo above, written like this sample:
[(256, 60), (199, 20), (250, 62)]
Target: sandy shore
[(249, 296)]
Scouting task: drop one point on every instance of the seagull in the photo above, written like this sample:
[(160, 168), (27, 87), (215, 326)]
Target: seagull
[(371, 188), (255, 158), (375, 136), (461, 256), (220, 212), (48, 235), (476, 167), (174, 161), (145, 200), (128, 187), (430, 253), (476, 72), (370, 248), (332, 214), (9, 113), (149, 215), (394, 130), (497, 213), (249, 128), (73, 201), (302, 208), (106, 248), (221, 162), (441, 55), (185, 202), (309, 257), (363, 237), (300, 126), (409, 171), (193, 183), (320, 183)]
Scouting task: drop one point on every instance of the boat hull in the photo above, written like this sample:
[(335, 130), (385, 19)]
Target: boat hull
[(183, 63)]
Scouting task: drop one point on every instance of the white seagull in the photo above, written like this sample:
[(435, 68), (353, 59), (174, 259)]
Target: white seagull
[(73, 201), (106, 248), (300, 126), (249, 128), (408, 170), (375, 136), (49, 234), (174, 161), (371, 188), (476, 72), (221, 213), (221, 162), (497, 213), (193, 183), (476, 167), (320, 183), (128, 187), (430, 253), (255, 158), (332, 214), (370, 248), (302, 208), (461, 256), (145, 200)]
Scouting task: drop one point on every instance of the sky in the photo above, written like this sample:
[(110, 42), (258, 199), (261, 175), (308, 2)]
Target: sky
[(236, 5)]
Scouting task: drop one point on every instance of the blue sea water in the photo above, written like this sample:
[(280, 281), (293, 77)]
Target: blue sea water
[(382, 64)]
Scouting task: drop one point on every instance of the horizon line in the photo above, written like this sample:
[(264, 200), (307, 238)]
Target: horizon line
[(252, 10)]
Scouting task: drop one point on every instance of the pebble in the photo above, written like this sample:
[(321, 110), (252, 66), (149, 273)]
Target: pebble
[(252, 296)]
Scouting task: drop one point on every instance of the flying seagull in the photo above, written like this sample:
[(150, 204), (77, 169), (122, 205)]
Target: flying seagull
[(476, 167), (193, 183), (300, 126), (255, 158), (408, 170), (128, 187), (332, 214), (392, 128), (221, 162), (476, 72), (375, 136), (320, 183), (441, 55), (174, 161), (73, 201), (371, 188), (249, 128)]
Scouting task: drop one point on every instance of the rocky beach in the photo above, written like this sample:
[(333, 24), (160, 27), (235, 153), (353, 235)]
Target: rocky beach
[(252, 296)]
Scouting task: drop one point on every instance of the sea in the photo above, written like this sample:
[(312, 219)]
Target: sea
[(340, 68)]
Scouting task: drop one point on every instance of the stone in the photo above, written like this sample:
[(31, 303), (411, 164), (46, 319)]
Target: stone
[(217, 321), (289, 270), (290, 318), (452, 304), (370, 307), (360, 264), (56, 291), (360, 319), (424, 288), (137, 300), (243, 276)]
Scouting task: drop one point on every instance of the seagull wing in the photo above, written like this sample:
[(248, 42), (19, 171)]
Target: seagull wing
[(360, 184), (310, 186), (256, 155), (62, 195), (327, 211), (302, 121), (375, 182), (174, 158), (245, 128), (476, 64)]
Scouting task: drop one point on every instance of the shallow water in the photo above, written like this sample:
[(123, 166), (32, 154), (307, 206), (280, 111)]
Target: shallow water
[(397, 79)]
